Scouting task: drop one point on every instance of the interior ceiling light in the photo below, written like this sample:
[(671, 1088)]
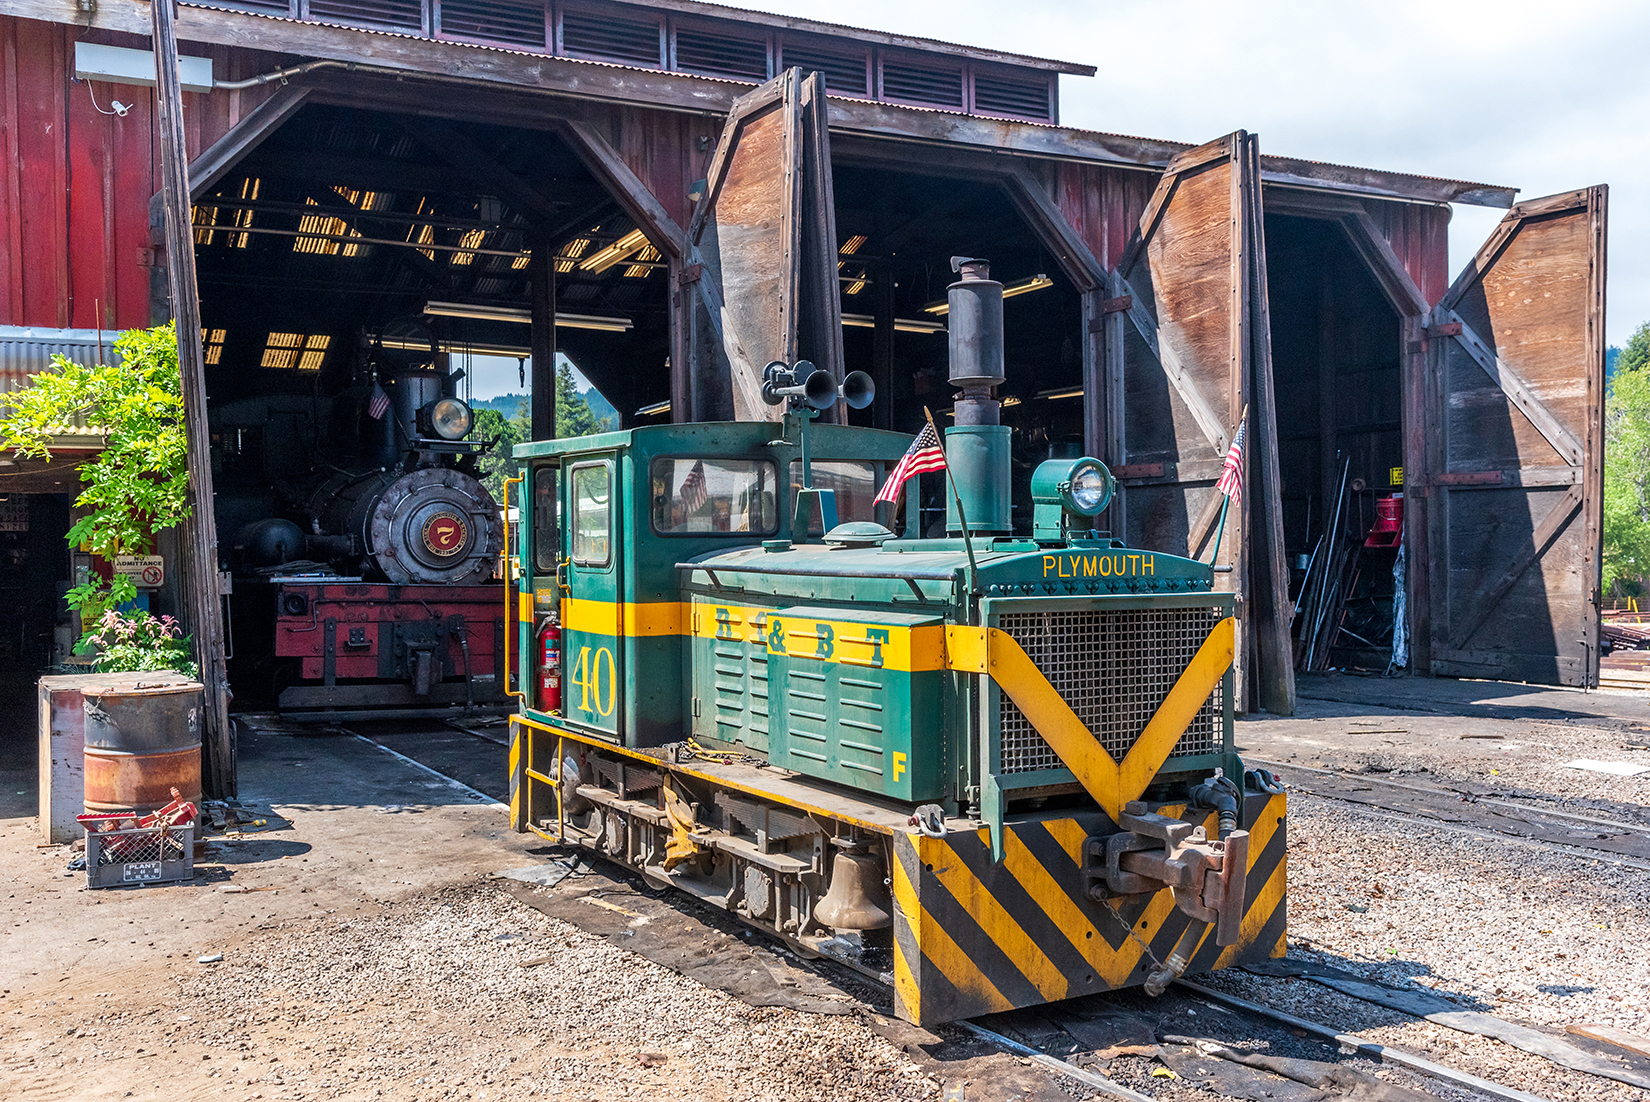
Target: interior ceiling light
[(654, 409), (1034, 283), (603, 259), (901, 325), (479, 313), (523, 316), (1071, 392), (853, 244), (472, 347)]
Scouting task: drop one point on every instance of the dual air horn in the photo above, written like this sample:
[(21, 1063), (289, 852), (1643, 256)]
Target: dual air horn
[(817, 390)]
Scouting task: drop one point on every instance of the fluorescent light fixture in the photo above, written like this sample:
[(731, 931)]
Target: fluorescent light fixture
[(1035, 283), (655, 408), (901, 325), (523, 316), (593, 321), (403, 345), (480, 313), (1072, 392), (118, 65), (1019, 287), (603, 259)]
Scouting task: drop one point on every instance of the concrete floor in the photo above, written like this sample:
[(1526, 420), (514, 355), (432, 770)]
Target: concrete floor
[(362, 826)]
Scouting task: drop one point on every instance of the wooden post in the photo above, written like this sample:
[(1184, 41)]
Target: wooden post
[(882, 344), (202, 596), (541, 270)]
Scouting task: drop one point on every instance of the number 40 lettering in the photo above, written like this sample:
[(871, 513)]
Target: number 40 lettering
[(596, 688)]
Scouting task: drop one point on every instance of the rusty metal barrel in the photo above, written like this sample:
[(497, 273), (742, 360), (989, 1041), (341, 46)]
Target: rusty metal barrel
[(143, 739)]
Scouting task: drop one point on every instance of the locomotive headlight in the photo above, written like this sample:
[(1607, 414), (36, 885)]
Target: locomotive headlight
[(450, 418), (1089, 491), (1081, 486)]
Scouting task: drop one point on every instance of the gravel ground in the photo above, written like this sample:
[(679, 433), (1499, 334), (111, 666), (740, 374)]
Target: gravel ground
[(1520, 759), (429, 999), (1529, 935)]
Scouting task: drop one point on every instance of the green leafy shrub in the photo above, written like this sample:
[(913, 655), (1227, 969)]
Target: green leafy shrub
[(134, 642), (136, 487)]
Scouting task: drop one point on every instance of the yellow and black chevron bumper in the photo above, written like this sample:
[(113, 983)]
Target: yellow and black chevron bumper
[(974, 937)]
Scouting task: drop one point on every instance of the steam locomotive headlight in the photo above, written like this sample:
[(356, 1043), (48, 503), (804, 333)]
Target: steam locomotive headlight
[(450, 418)]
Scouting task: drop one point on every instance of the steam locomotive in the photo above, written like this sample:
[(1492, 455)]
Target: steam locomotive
[(375, 587), (989, 770)]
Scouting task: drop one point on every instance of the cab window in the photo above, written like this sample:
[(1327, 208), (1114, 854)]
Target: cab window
[(592, 513), (546, 537), (854, 480), (698, 496)]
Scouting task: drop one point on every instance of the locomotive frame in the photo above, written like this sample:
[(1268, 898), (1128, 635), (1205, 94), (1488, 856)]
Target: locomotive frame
[(966, 882)]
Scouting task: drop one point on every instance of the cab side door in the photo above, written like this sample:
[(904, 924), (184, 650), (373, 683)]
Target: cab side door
[(592, 618)]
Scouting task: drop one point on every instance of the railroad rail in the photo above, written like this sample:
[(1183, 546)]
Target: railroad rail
[(1024, 1033), (1595, 838)]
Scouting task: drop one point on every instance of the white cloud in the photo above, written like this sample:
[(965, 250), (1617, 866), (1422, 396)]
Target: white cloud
[(1512, 92)]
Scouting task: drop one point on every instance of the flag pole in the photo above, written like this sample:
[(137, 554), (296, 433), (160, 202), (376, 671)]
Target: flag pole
[(1221, 531), (968, 543)]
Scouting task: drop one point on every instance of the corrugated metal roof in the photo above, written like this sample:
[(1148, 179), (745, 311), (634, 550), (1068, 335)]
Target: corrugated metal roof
[(26, 351)]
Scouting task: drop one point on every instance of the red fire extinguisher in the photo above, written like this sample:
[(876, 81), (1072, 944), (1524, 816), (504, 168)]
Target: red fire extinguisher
[(550, 667)]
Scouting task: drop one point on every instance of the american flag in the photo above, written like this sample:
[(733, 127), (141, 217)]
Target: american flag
[(379, 403), (926, 454), (693, 492), (1231, 473)]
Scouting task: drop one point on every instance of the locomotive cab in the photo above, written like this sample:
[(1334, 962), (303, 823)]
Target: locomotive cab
[(610, 518), (992, 770)]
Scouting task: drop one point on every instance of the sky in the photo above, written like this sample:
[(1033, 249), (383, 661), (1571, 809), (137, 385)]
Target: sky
[(1527, 95), (493, 376), (1545, 98)]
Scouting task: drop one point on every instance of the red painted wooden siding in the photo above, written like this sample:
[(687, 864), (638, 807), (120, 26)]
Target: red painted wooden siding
[(661, 148), (1419, 234), (1103, 205), (75, 183)]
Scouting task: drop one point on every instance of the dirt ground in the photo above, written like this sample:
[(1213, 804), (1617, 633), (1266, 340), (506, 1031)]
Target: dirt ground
[(368, 953)]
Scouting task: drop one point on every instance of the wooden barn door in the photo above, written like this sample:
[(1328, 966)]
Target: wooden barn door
[(1516, 364), (1188, 349), (762, 251)]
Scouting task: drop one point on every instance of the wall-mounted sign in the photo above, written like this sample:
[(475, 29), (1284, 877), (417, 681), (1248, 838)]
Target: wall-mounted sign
[(14, 516), (1395, 477), (148, 571)]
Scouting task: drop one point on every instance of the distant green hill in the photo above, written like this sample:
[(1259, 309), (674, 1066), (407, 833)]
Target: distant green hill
[(509, 404), (506, 404)]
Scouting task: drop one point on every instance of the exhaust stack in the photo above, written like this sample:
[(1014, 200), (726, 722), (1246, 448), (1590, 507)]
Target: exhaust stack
[(977, 447)]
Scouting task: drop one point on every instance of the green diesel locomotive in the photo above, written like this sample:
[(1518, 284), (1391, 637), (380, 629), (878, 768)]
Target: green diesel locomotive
[(992, 770)]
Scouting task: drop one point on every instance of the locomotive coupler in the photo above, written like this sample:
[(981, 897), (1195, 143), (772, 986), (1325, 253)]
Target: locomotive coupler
[(1153, 852)]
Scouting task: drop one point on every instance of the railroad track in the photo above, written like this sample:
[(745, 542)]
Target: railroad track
[(1595, 838), (1255, 1021), (1211, 1023)]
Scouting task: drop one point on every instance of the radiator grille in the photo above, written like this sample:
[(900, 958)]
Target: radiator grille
[(1114, 667)]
